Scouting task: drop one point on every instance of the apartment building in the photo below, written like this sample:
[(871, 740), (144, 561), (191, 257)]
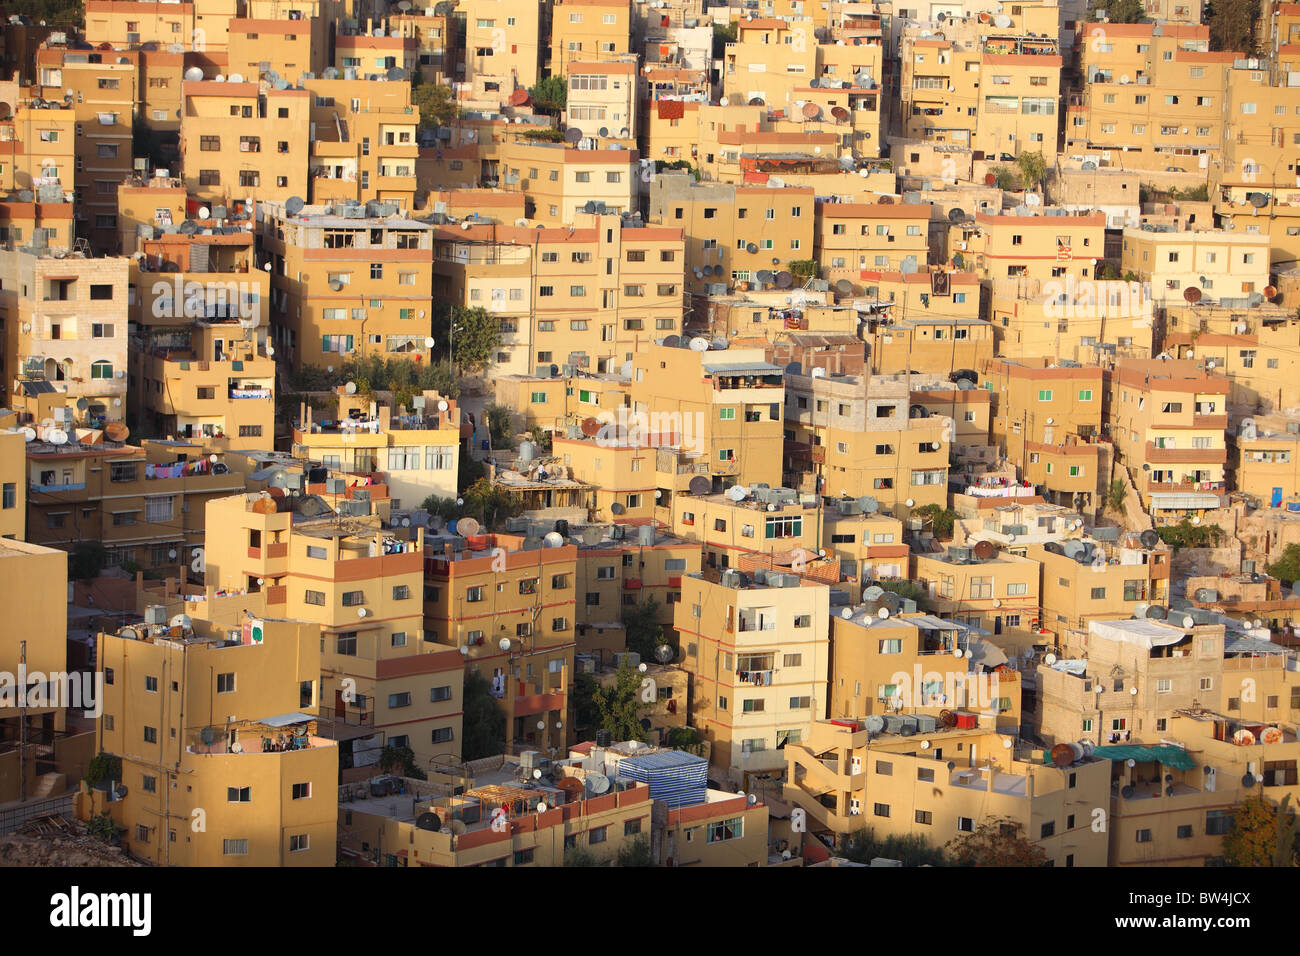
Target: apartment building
[(1256, 159), (993, 91), (917, 663), (208, 721), (1151, 97), (1266, 464), (288, 48), (1252, 346), (588, 31), (758, 656), (65, 335), (1042, 247), (557, 404), (582, 299), (1212, 264), (361, 582), (13, 485), (852, 237), (1087, 580), (861, 435), (24, 222), (734, 233), (374, 53), (363, 144), (154, 203), (995, 593), (1168, 421), (603, 100), (135, 23), (37, 148), (350, 281), (102, 90), (942, 783), (503, 47), (144, 504), (725, 404), (510, 610), (237, 142), (1043, 403), (1089, 322), (768, 60), (930, 344), (416, 449), (970, 410), (36, 580)]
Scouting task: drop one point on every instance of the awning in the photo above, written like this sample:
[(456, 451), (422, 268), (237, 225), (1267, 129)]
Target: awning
[(1175, 501), (750, 368), (986, 654), (1166, 755), (1144, 633), (286, 720)]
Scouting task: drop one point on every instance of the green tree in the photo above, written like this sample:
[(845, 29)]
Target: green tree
[(545, 134), (942, 520), (1256, 832), (103, 766), (1188, 535), (576, 856), (102, 827), (804, 269), (446, 508), (1287, 567), (907, 589), (1116, 494), (1117, 11), (1284, 846), (550, 94), (501, 425), (1232, 24), (1005, 178), (912, 849), (643, 631), (540, 437), (436, 103), (636, 853), (483, 722), (86, 560), (1033, 168), (400, 761), (618, 706), (723, 33), (490, 504), (475, 338), (584, 710), (998, 841)]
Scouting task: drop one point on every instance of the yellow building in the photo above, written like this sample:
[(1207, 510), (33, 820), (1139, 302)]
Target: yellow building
[(220, 765), (503, 47), (239, 143), (725, 406), (510, 611), (1213, 264), (943, 783), (361, 582), (145, 505), (588, 31), (1168, 422), (65, 335), (735, 232), (417, 450), (758, 656), (859, 435), (364, 142), (36, 580), (992, 593), (348, 283), (1037, 247), (1087, 580)]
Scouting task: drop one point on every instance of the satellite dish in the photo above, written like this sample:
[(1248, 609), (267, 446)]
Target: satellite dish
[(664, 653), (1192, 295), (208, 735), (784, 280), (293, 205), (737, 492), (29, 434), (699, 485), (466, 527), (428, 821), (58, 436), (553, 539), (350, 388), (699, 345), (1049, 659), (236, 78), (205, 212), (597, 783), (504, 643), (194, 74)]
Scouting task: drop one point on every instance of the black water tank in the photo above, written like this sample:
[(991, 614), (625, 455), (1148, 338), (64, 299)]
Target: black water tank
[(604, 738)]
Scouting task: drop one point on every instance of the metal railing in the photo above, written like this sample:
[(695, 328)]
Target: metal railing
[(14, 817)]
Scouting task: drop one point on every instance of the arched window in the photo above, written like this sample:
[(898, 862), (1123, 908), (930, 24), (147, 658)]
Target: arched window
[(101, 369)]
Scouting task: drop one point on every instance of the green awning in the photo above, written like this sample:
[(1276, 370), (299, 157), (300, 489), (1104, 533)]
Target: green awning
[(1165, 754)]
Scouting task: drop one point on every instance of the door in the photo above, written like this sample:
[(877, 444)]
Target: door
[(1277, 497), (340, 707)]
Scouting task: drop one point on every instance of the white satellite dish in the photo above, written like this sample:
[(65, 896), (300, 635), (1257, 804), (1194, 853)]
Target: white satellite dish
[(428, 342), (1049, 659), (362, 612), (553, 540), (504, 644)]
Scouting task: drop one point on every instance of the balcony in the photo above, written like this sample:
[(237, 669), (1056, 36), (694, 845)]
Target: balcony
[(1210, 421), (250, 392), (1157, 455)]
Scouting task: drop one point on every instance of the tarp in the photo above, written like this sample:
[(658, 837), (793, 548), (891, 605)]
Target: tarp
[(671, 109), (1144, 633), (286, 720), (1174, 501), (1166, 755)]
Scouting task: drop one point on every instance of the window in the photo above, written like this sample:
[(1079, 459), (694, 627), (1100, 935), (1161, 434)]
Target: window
[(151, 684), (354, 598), (631, 827), (1143, 836), (314, 597), (299, 841), (966, 824), (598, 834), (924, 817), (1217, 822), (225, 683), (239, 795), (722, 830), (441, 735), (881, 809), (151, 735), (301, 791), (439, 694)]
